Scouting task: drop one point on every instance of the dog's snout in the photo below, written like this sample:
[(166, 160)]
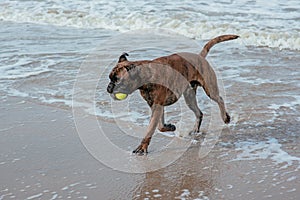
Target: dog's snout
[(110, 87)]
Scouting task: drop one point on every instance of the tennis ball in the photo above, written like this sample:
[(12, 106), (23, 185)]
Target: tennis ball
[(120, 96)]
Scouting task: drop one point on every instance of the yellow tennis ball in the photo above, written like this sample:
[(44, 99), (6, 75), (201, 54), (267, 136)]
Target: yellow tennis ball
[(121, 96)]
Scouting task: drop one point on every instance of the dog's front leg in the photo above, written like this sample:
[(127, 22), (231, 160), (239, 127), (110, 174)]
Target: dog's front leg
[(157, 111)]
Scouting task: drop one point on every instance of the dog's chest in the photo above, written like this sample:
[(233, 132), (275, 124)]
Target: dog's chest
[(157, 94)]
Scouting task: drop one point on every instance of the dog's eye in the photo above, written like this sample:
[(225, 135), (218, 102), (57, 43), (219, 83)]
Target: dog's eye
[(115, 79)]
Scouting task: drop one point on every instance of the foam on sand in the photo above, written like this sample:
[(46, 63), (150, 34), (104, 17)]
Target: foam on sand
[(270, 149)]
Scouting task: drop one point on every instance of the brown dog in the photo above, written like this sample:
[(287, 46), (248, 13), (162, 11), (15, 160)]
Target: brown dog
[(163, 80)]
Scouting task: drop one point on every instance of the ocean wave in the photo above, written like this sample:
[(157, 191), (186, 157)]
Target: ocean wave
[(15, 74), (22, 68), (254, 28)]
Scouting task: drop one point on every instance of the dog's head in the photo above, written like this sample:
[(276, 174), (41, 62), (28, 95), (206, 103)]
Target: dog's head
[(124, 77)]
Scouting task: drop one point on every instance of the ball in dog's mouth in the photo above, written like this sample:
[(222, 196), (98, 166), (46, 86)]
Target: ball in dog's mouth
[(120, 96)]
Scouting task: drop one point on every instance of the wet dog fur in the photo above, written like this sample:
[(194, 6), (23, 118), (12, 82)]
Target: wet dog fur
[(164, 80)]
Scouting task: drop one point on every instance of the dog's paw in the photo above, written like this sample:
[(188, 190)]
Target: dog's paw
[(168, 127), (194, 132), (141, 150), (227, 119)]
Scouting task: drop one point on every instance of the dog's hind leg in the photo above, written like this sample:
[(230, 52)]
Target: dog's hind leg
[(225, 116), (165, 127), (213, 93), (190, 99)]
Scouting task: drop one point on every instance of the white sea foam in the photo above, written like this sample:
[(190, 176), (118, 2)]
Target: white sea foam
[(270, 149), (54, 196), (16, 93), (22, 68), (186, 195), (259, 24), (290, 104), (35, 196)]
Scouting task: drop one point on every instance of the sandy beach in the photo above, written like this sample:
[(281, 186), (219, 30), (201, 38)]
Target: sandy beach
[(42, 158)]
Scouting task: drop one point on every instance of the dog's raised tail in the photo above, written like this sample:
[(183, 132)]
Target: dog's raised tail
[(214, 41)]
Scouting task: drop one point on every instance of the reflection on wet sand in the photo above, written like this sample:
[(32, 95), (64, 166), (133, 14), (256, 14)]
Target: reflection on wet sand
[(189, 177)]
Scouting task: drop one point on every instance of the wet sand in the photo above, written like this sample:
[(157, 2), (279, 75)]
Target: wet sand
[(42, 157)]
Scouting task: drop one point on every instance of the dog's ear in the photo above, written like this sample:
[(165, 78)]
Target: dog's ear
[(123, 57)]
